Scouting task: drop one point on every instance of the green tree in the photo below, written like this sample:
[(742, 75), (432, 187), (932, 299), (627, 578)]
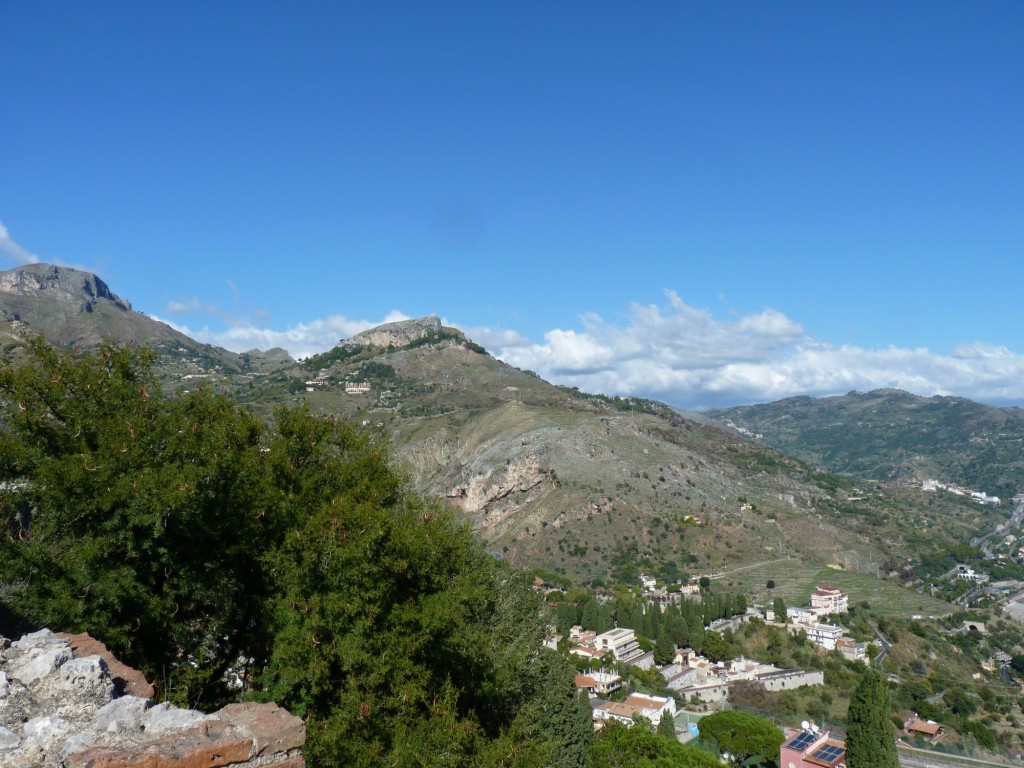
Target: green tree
[(779, 606), (696, 633), (186, 534), (715, 647), (743, 736), (393, 629), (664, 649), (667, 726), (870, 737), (1017, 662), (739, 605), (565, 616), (138, 518), (617, 746)]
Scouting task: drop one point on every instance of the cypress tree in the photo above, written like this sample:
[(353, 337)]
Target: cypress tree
[(667, 726), (870, 739)]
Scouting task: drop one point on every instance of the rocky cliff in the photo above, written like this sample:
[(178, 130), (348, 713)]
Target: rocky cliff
[(70, 286), (398, 334), (66, 701)]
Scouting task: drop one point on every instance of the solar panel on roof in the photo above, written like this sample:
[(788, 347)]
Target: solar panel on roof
[(828, 753), (801, 741)]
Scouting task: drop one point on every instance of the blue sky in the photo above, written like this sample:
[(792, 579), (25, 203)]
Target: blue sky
[(707, 203)]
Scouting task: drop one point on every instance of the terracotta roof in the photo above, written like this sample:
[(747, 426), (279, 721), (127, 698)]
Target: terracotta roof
[(927, 727)]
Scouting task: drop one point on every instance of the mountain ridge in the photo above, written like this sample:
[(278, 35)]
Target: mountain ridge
[(592, 486)]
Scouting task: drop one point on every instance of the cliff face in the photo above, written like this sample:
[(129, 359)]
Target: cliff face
[(398, 334), (67, 285), (62, 707)]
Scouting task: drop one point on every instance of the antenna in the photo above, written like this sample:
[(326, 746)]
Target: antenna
[(805, 725)]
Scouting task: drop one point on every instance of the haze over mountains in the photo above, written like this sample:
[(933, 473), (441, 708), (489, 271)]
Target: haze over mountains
[(588, 485)]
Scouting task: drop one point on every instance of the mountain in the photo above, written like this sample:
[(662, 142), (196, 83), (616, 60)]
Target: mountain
[(891, 434), (72, 308), (590, 486)]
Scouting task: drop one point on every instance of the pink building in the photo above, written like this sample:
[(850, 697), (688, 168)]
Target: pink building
[(826, 600)]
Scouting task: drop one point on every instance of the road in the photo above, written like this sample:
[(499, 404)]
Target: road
[(921, 758), (1014, 522), (886, 646), (721, 574)]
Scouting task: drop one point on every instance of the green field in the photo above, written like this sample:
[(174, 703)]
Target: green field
[(795, 580)]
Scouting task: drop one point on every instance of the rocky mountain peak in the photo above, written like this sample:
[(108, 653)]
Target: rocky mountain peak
[(67, 284), (398, 334)]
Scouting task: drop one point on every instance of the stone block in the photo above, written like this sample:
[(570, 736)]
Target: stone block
[(126, 680), (273, 730), (210, 744)]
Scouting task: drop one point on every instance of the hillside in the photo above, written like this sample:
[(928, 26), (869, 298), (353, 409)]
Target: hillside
[(72, 308), (599, 487), (889, 434), (593, 487)]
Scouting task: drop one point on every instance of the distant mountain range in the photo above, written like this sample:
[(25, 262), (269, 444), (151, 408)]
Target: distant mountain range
[(889, 434), (586, 485)]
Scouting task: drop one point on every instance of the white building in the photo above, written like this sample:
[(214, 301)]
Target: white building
[(823, 635), (621, 642), (651, 707)]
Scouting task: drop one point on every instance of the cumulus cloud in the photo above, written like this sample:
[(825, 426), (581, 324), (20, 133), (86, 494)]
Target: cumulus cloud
[(11, 250), (301, 340), (685, 356)]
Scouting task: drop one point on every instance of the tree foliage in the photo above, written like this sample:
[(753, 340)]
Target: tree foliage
[(617, 746), (870, 737), (741, 735), (190, 537)]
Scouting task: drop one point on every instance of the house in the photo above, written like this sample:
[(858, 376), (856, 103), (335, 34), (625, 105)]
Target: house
[(826, 600), (586, 652), (621, 642), (357, 387), (638, 704), (801, 615), (599, 683), (969, 574), (826, 636), (811, 748), (852, 650), (927, 728)]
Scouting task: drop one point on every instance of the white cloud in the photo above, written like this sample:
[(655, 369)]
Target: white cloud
[(685, 356), (11, 250), (301, 340)]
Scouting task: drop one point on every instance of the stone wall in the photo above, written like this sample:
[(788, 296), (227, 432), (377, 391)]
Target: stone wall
[(66, 702)]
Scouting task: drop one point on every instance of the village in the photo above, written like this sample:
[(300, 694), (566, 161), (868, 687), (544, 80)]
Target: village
[(696, 685)]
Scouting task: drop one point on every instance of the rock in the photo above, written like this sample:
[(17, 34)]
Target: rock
[(123, 716), (272, 729), (208, 745), (40, 663), (398, 334), (60, 709), (72, 285), (8, 739), (126, 680), (163, 718), (88, 673)]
